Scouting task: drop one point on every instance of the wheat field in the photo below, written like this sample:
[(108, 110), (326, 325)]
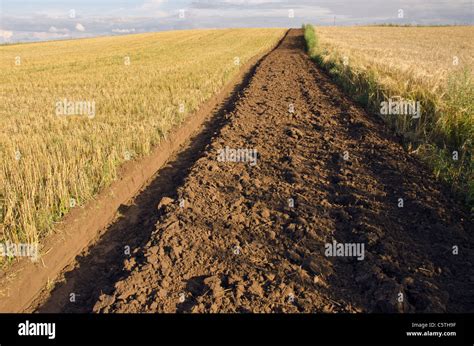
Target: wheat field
[(423, 55), (432, 65), (138, 88)]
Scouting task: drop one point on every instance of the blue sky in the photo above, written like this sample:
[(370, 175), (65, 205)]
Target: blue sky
[(34, 20)]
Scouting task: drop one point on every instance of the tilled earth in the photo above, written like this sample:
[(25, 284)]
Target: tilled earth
[(238, 237)]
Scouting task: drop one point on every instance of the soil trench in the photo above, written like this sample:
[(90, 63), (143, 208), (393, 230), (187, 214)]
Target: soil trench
[(290, 169)]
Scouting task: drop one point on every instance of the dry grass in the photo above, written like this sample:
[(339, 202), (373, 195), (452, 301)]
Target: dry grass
[(432, 65), (47, 159)]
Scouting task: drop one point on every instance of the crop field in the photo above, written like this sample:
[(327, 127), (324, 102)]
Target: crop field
[(73, 111), (310, 159), (296, 199), (430, 65), (325, 175), (425, 55)]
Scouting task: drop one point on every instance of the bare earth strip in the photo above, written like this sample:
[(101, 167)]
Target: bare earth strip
[(88, 231), (238, 245)]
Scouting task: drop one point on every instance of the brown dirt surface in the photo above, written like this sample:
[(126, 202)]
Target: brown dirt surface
[(225, 237)]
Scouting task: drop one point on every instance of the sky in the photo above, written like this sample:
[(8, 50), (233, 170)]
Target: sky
[(39, 20)]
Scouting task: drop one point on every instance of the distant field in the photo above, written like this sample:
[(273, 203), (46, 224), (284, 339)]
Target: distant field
[(422, 54), (433, 65), (73, 111)]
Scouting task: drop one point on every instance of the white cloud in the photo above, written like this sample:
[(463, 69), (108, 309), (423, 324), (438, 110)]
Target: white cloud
[(277, 13), (80, 27), (250, 2), (151, 4), (48, 35), (6, 35), (53, 29), (123, 31), (154, 8)]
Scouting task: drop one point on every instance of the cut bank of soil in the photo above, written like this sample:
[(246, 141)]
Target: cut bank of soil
[(231, 239)]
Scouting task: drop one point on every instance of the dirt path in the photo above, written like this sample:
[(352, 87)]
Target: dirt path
[(240, 237)]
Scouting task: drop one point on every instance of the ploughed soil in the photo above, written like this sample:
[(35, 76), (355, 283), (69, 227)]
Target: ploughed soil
[(233, 236)]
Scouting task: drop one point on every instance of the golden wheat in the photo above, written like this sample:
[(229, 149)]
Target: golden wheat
[(422, 55), (141, 86)]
